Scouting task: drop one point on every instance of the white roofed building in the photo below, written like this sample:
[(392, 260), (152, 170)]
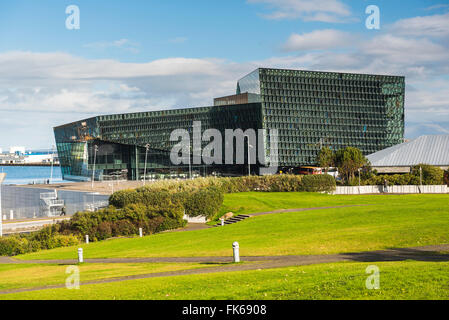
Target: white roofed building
[(431, 149)]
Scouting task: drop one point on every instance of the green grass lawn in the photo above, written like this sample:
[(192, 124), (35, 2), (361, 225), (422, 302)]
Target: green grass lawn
[(398, 280), (13, 276), (251, 202), (393, 221)]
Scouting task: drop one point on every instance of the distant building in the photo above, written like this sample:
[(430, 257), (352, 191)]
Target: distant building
[(32, 158), (6, 158), (17, 150), (17, 157), (431, 149), (310, 109)]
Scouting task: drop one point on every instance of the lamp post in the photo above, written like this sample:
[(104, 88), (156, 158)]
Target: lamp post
[(95, 160), (2, 177), (147, 147)]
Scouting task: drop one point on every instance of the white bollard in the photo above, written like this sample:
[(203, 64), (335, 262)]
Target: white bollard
[(11, 215), (235, 246), (140, 232), (87, 238), (80, 255), (222, 222)]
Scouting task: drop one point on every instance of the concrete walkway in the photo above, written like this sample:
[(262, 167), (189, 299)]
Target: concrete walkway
[(425, 253)]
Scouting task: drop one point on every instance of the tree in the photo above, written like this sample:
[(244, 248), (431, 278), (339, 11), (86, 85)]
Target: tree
[(326, 158), (348, 161), (431, 175)]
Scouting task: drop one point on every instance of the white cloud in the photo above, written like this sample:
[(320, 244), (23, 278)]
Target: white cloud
[(437, 6), (319, 40), (398, 49), (426, 26), (308, 10)]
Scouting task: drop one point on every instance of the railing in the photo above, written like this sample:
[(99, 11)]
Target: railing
[(57, 203), (392, 189), (48, 195)]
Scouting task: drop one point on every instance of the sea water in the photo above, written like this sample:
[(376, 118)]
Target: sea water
[(21, 175)]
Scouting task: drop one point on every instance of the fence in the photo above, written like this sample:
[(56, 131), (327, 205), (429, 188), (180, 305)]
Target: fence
[(391, 189), (32, 202)]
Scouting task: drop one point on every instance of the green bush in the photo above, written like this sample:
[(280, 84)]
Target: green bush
[(204, 202), (112, 222), (431, 175), (170, 224), (13, 245), (122, 198), (46, 238), (318, 183)]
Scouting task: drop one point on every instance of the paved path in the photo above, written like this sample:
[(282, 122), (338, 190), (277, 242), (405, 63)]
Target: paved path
[(426, 253)]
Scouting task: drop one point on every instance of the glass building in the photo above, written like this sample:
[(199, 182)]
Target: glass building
[(309, 109)]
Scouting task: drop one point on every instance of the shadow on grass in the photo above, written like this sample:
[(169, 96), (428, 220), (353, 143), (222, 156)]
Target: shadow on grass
[(398, 254)]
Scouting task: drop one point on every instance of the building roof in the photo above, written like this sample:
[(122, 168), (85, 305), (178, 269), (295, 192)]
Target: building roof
[(431, 149)]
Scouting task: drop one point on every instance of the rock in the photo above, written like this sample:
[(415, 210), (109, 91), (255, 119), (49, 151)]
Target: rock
[(227, 216)]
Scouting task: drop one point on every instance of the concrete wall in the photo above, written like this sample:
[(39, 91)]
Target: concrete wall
[(392, 189), (199, 219)]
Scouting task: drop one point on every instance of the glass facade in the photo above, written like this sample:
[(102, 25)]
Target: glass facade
[(310, 110), (314, 109), (121, 141)]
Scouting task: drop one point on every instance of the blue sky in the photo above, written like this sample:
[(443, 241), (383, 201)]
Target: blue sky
[(146, 55)]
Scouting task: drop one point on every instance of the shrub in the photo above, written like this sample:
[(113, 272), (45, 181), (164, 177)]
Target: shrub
[(39, 240), (170, 224), (112, 222), (123, 228), (431, 175), (122, 198), (446, 177), (153, 225), (284, 183), (65, 241), (318, 183), (13, 245), (204, 202)]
